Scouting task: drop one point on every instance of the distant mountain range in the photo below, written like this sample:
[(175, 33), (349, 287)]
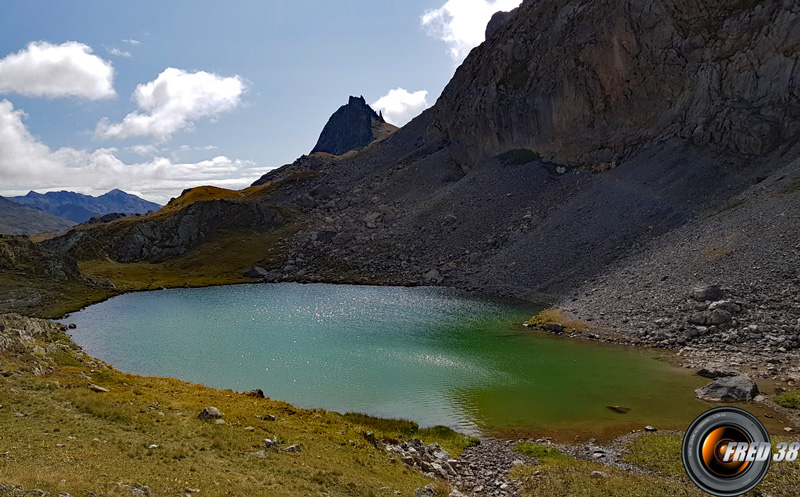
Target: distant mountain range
[(80, 208), (17, 219)]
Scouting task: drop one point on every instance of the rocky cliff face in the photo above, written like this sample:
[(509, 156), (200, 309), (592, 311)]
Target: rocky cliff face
[(20, 255), (589, 83), (165, 236), (352, 127)]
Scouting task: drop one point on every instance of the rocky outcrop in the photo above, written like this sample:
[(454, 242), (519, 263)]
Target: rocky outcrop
[(352, 127), (20, 255), (32, 339), (588, 83), (168, 235)]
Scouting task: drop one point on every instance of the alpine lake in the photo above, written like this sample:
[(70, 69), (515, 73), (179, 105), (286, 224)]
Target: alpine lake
[(434, 356)]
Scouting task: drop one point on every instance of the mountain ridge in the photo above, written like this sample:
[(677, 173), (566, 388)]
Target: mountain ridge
[(80, 208), (18, 219)]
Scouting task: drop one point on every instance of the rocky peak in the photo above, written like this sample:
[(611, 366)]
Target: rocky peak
[(352, 127), (587, 83)]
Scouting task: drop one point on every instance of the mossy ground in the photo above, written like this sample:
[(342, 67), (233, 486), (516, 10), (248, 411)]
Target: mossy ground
[(60, 436), (788, 399)]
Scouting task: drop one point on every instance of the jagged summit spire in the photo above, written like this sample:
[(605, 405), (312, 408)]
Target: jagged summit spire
[(352, 127)]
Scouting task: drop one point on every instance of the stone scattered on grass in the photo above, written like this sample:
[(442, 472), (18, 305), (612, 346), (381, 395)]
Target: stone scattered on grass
[(97, 388), (210, 413)]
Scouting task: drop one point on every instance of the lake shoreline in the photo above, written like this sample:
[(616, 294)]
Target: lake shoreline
[(502, 346)]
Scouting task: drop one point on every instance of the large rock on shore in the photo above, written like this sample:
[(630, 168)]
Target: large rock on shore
[(729, 389)]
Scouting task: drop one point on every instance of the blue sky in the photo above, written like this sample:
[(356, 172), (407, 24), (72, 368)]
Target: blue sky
[(154, 97)]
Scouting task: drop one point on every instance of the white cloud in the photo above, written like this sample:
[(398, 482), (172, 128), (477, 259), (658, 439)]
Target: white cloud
[(400, 106), (462, 23), (118, 52), (27, 164), (67, 70), (173, 101), (131, 41), (143, 150)]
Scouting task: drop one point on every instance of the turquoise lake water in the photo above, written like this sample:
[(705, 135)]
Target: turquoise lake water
[(430, 355)]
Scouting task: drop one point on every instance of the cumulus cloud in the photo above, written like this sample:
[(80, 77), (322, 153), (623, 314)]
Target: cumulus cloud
[(173, 101), (462, 23), (118, 52), (400, 106), (67, 70), (131, 41), (26, 163)]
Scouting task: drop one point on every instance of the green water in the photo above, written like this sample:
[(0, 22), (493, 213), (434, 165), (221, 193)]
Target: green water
[(430, 355)]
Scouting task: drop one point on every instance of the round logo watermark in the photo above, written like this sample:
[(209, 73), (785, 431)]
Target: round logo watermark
[(726, 451)]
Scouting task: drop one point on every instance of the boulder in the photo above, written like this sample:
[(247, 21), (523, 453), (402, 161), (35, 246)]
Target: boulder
[(705, 293), (343, 237), (258, 393), (433, 276), (725, 305), (729, 389), (306, 201), (322, 192), (210, 413), (718, 317), (256, 272)]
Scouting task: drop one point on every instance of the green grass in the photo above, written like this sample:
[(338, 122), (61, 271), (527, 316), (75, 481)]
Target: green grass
[(659, 453), (540, 452), (788, 399), (393, 429), (662, 454), (564, 475)]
